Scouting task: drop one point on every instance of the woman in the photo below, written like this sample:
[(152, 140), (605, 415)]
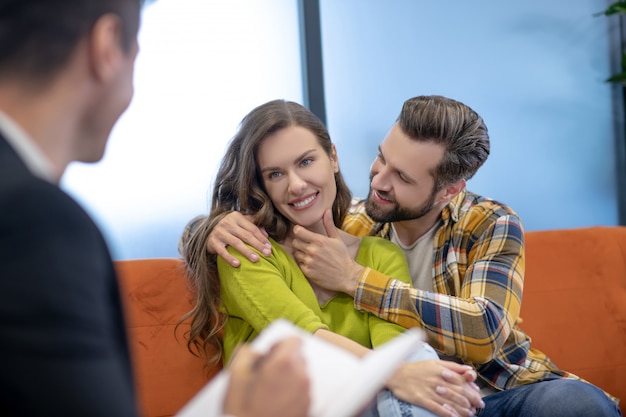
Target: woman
[(282, 169)]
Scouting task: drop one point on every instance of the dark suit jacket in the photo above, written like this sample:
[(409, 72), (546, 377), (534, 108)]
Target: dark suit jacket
[(63, 348)]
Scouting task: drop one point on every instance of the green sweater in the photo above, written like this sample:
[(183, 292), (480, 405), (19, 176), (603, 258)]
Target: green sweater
[(255, 294)]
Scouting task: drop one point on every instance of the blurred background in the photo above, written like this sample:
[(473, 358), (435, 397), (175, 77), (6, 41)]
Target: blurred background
[(534, 70)]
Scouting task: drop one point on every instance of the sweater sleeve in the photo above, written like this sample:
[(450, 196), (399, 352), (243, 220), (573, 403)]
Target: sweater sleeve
[(255, 294)]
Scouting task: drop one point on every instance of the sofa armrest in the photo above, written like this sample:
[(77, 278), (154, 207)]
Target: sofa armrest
[(574, 305), (155, 297)]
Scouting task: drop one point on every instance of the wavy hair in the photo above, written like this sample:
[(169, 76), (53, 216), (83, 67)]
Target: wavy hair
[(239, 187)]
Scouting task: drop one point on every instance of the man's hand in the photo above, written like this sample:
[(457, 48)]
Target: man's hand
[(237, 230), (272, 385), (325, 260)]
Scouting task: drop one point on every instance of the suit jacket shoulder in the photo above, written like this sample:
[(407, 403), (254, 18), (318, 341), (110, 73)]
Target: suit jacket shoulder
[(63, 336)]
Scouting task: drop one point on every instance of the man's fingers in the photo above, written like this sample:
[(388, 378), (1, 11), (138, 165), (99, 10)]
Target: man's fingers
[(243, 229), (238, 231), (329, 224), (243, 357), (302, 236)]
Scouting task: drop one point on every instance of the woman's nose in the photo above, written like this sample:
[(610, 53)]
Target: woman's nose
[(296, 184)]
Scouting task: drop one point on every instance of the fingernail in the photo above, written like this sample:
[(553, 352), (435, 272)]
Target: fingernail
[(267, 251), (254, 257), (476, 387), (446, 373), (482, 404), (450, 409), (440, 390), (235, 263)]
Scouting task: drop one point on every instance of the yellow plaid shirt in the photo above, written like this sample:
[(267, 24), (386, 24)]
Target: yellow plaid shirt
[(478, 276)]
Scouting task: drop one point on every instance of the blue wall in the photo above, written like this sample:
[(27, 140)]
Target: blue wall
[(534, 70)]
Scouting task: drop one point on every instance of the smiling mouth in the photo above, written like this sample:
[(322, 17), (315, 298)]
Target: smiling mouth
[(381, 198), (304, 202)]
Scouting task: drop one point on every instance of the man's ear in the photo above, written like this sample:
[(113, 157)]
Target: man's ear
[(452, 190), (105, 47)]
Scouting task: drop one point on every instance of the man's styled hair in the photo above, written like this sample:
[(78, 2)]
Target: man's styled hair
[(37, 37), (450, 123)]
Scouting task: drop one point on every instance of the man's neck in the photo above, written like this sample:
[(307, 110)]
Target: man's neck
[(46, 122), (409, 231)]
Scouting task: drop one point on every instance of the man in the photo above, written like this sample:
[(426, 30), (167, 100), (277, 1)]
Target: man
[(466, 255), (66, 75)]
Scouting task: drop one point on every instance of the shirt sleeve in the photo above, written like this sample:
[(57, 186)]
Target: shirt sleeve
[(473, 321), (387, 258)]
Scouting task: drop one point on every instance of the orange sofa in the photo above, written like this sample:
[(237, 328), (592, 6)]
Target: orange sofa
[(574, 307)]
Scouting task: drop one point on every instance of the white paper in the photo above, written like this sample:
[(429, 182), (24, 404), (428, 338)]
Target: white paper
[(341, 383)]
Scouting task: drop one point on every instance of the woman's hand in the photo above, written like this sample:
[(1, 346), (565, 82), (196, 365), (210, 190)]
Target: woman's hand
[(445, 388), (238, 231)]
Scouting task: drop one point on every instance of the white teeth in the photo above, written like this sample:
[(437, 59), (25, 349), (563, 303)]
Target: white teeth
[(304, 202)]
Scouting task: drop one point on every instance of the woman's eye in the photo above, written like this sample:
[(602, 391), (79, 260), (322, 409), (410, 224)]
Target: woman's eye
[(306, 162), (273, 175)]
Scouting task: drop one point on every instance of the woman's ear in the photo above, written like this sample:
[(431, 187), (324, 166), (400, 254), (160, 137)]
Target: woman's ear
[(334, 159)]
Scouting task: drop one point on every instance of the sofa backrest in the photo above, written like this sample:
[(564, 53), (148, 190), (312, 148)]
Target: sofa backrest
[(155, 295), (574, 304)]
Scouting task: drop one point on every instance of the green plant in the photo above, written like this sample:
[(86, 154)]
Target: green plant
[(617, 8)]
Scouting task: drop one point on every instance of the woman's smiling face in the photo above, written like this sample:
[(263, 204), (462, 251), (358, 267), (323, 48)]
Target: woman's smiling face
[(298, 175)]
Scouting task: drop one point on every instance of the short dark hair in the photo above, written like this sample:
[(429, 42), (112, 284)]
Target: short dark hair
[(37, 37), (450, 123)]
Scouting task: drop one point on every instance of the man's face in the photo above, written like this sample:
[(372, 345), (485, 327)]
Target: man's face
[(401, 184)]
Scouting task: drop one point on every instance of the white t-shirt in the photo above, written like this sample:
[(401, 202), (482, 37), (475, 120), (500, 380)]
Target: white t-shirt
[(419, 255)]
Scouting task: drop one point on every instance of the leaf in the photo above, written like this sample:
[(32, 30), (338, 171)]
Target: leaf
[(616, 8), (617, 78)]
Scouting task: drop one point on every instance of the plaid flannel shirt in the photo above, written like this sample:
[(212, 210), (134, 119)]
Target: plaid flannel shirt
[(478, 274)]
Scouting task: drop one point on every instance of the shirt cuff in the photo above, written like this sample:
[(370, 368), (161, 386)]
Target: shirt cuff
[(372, 293)]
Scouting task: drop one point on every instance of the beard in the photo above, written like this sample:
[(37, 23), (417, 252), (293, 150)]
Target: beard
[(397, 213)]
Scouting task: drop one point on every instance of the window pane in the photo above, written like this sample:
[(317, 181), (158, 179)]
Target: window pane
[(202, 66)]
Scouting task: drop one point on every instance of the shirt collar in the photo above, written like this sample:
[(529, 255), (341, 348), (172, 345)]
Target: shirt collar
[(26, 148), (453, 210)]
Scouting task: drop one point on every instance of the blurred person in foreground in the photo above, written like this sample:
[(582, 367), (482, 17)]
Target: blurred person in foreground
[(66, 76)]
